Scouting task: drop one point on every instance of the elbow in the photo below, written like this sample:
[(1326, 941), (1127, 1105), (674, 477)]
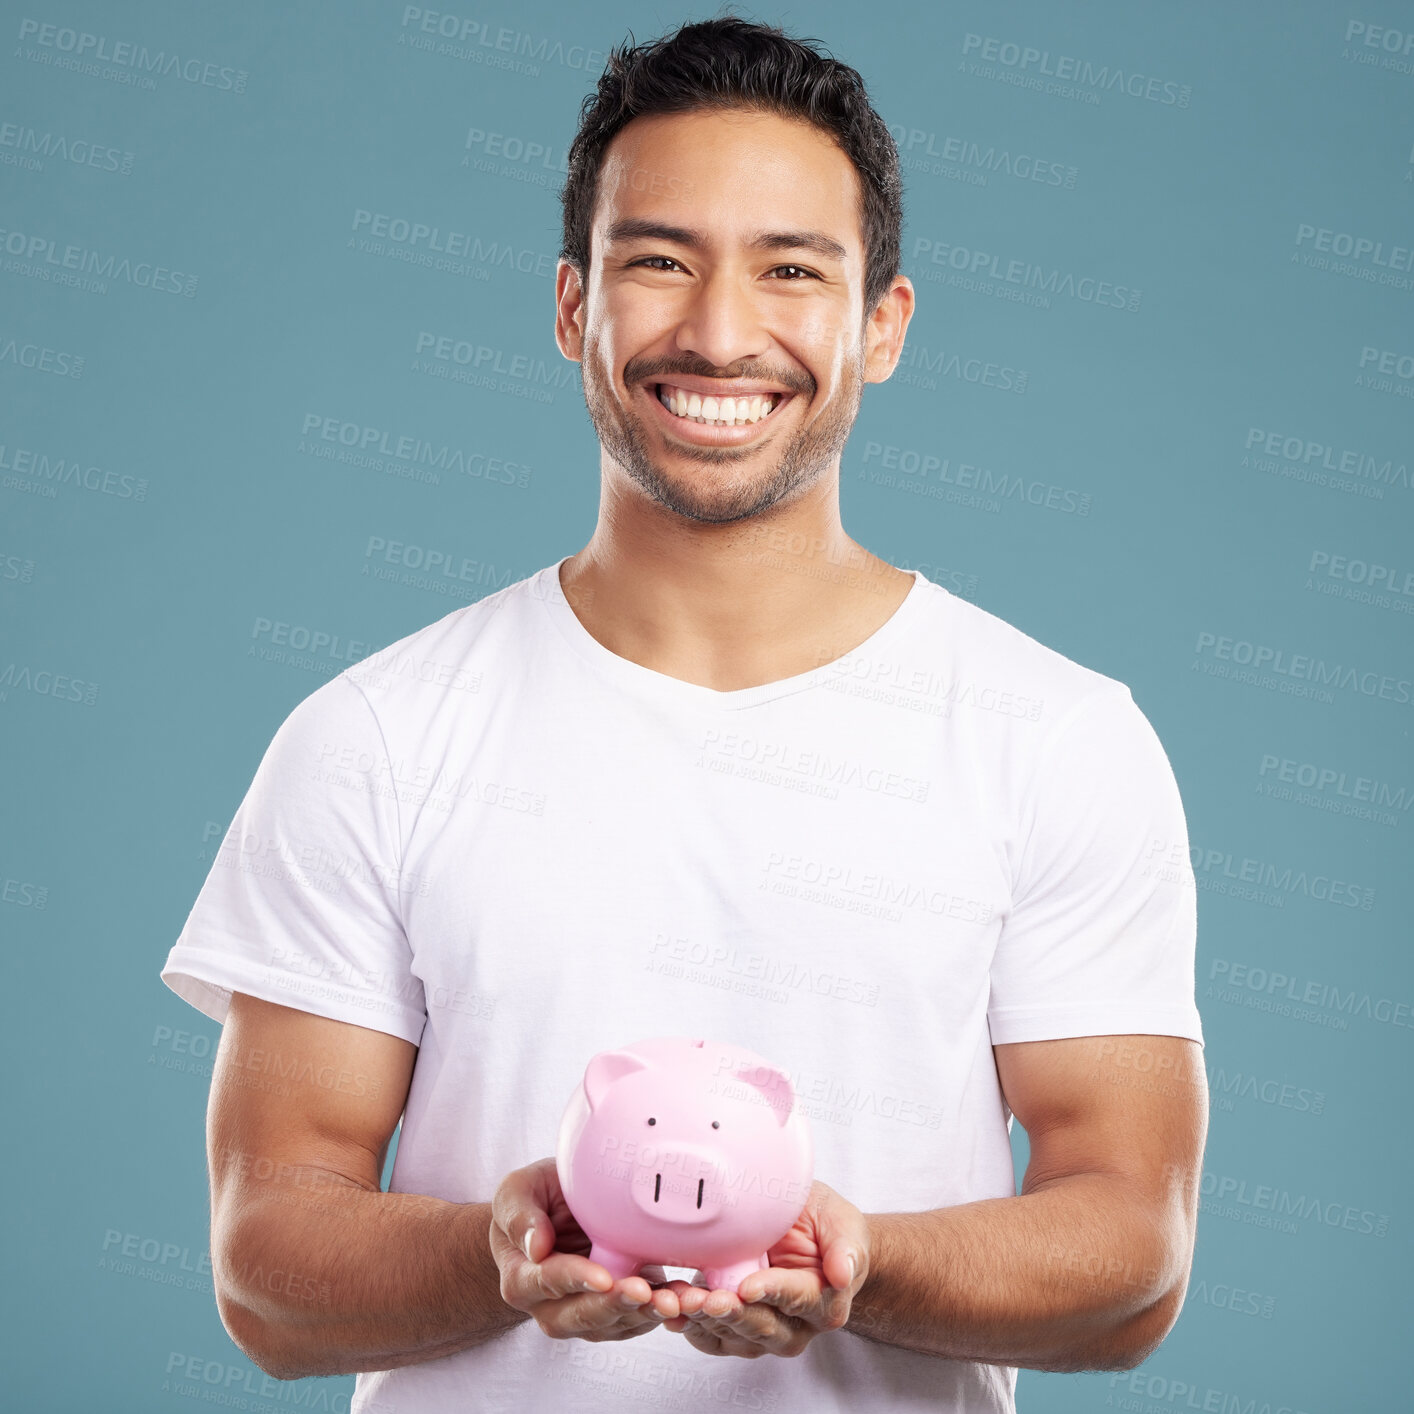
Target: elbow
[(1139, 1333), (252, 1337), (267, 1343), (1135, 1339)]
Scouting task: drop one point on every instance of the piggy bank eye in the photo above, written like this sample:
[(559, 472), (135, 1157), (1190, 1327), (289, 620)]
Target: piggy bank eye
[(652, 1121), (716, 1124)]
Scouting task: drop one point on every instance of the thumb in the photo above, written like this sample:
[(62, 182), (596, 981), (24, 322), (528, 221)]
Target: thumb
[(529, 1239), (844, 1239), (518, 1210), (842, 1264)]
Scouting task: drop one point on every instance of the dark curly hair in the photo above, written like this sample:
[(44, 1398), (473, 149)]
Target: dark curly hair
[(734, 63)]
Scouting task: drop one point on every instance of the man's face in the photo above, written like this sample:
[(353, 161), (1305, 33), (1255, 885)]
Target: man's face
[(702, 303)]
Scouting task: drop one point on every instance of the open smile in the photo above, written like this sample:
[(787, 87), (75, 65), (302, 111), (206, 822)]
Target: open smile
[(690, 427)]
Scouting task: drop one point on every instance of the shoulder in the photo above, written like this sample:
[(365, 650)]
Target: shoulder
[(998, 668), (449, 657)]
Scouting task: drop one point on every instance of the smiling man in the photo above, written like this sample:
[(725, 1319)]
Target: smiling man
[(721, 773)]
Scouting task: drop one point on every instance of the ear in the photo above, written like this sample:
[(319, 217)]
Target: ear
[(569, 312), (886, 329), (774, 1086), (604, 1070)]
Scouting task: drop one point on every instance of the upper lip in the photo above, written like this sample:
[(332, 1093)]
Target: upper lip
[(715, 388)]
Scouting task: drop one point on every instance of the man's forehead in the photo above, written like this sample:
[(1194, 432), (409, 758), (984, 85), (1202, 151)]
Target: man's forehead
[(631, 228), (649, 190)]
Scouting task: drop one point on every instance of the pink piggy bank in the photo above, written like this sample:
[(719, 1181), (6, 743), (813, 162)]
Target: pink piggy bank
[(684, 1153)]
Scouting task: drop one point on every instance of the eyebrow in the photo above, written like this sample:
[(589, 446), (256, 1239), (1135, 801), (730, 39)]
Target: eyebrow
[(641, 228)]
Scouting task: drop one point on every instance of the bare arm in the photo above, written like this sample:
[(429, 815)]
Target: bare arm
[(316, 1270), (1086, 1269)]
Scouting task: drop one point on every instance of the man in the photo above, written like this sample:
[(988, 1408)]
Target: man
[(722, 773)]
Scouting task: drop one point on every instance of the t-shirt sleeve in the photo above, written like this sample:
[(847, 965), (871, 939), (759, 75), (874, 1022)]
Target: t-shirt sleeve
[(1100, 936), (301, 905)]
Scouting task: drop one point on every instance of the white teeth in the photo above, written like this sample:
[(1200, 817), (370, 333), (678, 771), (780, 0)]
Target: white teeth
[(722, 412)]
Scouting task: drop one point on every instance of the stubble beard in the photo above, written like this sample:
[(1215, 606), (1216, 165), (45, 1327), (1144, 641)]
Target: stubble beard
[(811, 451)]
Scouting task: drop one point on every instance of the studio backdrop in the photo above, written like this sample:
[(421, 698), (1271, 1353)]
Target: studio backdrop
[(279, 385)]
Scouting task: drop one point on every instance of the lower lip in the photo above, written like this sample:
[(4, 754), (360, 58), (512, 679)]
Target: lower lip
[(706, 435)]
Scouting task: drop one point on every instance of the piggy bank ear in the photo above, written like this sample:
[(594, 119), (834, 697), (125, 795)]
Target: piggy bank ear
[(774, 1086), (606, 1068)]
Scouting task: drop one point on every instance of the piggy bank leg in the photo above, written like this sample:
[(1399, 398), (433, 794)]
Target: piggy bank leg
[(729, 1278), (617, 1264)]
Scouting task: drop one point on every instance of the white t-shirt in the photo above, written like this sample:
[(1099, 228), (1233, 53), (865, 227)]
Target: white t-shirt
[(509, 845)]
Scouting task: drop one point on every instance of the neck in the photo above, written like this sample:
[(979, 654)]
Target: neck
[(734, 605)]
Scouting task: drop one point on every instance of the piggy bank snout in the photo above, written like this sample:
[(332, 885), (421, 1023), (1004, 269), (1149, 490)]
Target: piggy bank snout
[(680, 1183)]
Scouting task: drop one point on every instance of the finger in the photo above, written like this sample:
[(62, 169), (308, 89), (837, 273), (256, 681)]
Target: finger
[(635, 1289), (841, 1264), (613, 1314), (632, 1297), (727, 1336), (538, 1271), (663, 1303), (726, 1314), (719, 1303), (520, 1208), (790, 1293), (690, 1298), (739, 1329), (704, 1340), (661, 1297), (562, 1274), (844, 1239), (668, 1299)]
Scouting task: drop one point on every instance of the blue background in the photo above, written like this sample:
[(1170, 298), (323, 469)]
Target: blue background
[(188, 549)]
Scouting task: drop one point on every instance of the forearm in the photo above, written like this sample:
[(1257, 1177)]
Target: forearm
[(1078, 1275), (319, 1276)]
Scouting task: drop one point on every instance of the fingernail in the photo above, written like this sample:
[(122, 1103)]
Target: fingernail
[(529, 1233), (853, 1266)]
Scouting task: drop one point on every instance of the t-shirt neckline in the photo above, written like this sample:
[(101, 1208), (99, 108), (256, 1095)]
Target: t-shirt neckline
[(637, 678)]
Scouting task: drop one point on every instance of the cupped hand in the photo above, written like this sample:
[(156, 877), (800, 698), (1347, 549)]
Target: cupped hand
[(541, 1252), (808, 1287)]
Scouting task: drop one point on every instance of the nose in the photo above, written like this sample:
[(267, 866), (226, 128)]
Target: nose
[(721, 321), (682, 1187)]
